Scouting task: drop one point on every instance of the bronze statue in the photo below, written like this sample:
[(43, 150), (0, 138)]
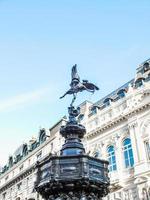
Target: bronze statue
[(77, 86)]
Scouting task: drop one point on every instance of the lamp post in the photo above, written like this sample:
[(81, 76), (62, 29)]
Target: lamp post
[(73, 175)]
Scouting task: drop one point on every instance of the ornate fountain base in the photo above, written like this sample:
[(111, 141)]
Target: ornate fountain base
[(73, 175), (74, 196)]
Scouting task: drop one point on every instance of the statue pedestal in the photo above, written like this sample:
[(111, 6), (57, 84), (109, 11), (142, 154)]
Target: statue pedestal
[(73, 175)]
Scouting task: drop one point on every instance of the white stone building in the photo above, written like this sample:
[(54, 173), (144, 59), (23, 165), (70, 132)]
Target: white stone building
[(118, 129)]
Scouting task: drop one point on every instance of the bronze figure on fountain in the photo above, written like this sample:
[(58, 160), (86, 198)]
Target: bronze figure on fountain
[(77, 86), (73, 175)]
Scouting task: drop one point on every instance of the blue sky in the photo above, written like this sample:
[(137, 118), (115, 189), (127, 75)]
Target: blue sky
[(39, 43)]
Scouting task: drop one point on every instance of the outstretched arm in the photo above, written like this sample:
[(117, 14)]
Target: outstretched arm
[(63, 95)]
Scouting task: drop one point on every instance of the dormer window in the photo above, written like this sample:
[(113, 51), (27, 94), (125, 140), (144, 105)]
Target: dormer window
[(34, 145), (107, 102), (94, 110), (25, 150), (42, 136), (80, 118), (10, 161), (121, 93), (39, 155), (18, 158), (139, 82), (5, 168), (146, 67)]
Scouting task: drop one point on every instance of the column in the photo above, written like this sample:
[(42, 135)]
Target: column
[(134, 142), (138, 148), (139, 143), (119, 157)]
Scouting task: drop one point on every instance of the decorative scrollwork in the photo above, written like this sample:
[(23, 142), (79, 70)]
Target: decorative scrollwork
[(74, 196)]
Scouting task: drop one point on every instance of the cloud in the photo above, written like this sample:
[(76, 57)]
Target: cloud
[(20, 100)]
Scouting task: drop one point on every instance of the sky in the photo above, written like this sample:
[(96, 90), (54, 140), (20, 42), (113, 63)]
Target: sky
[(39, 43)]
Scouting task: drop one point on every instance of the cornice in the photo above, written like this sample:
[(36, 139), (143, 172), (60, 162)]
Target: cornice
[(27, 157), (117, 120), (23, 174), (18, 178)]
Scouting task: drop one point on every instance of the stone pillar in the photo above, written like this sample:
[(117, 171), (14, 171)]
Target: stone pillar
[(119, 157), (137, 142), (134, 141), (138, 148)]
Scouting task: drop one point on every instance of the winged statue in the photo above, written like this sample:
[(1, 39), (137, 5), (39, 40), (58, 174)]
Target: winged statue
[(77, 86)]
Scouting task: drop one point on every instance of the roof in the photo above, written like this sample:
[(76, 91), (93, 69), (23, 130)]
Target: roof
[(141, 65), (19, 150), (62, 119), (114, 93)]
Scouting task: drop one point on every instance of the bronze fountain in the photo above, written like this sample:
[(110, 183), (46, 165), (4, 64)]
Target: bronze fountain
[(73, 175)]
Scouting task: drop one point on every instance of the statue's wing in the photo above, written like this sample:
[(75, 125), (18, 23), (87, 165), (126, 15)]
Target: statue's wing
[(74, 73), (90, 86)]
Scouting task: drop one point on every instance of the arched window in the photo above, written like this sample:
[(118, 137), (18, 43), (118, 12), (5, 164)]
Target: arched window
[(146, 67), (139, 82), (121, 93), (42, 136), (10, 161), (128, 153), (111, 158), (107, 101), (96, 153), (25, 150)]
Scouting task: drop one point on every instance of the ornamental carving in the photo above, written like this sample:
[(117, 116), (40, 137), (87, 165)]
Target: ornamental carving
[(145, 128), (134, 101), (74, 196)]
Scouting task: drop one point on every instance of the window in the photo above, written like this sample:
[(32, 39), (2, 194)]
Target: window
[(39, 155), (52, 146), (25, 150), (19, 186), (10, 161), (147, 149), (96, 154), (4, 195), (138, 83), (121, 93), (128, 153), (7, 177), (42, 136), (107, 102), (34, 145), (93, 111), (21, 167), (80, 118), (111, 158), (146, 67), (18, 158), (27, 182)]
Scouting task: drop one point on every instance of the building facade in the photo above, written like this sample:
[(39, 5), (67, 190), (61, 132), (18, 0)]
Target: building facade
[(118, 129)]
